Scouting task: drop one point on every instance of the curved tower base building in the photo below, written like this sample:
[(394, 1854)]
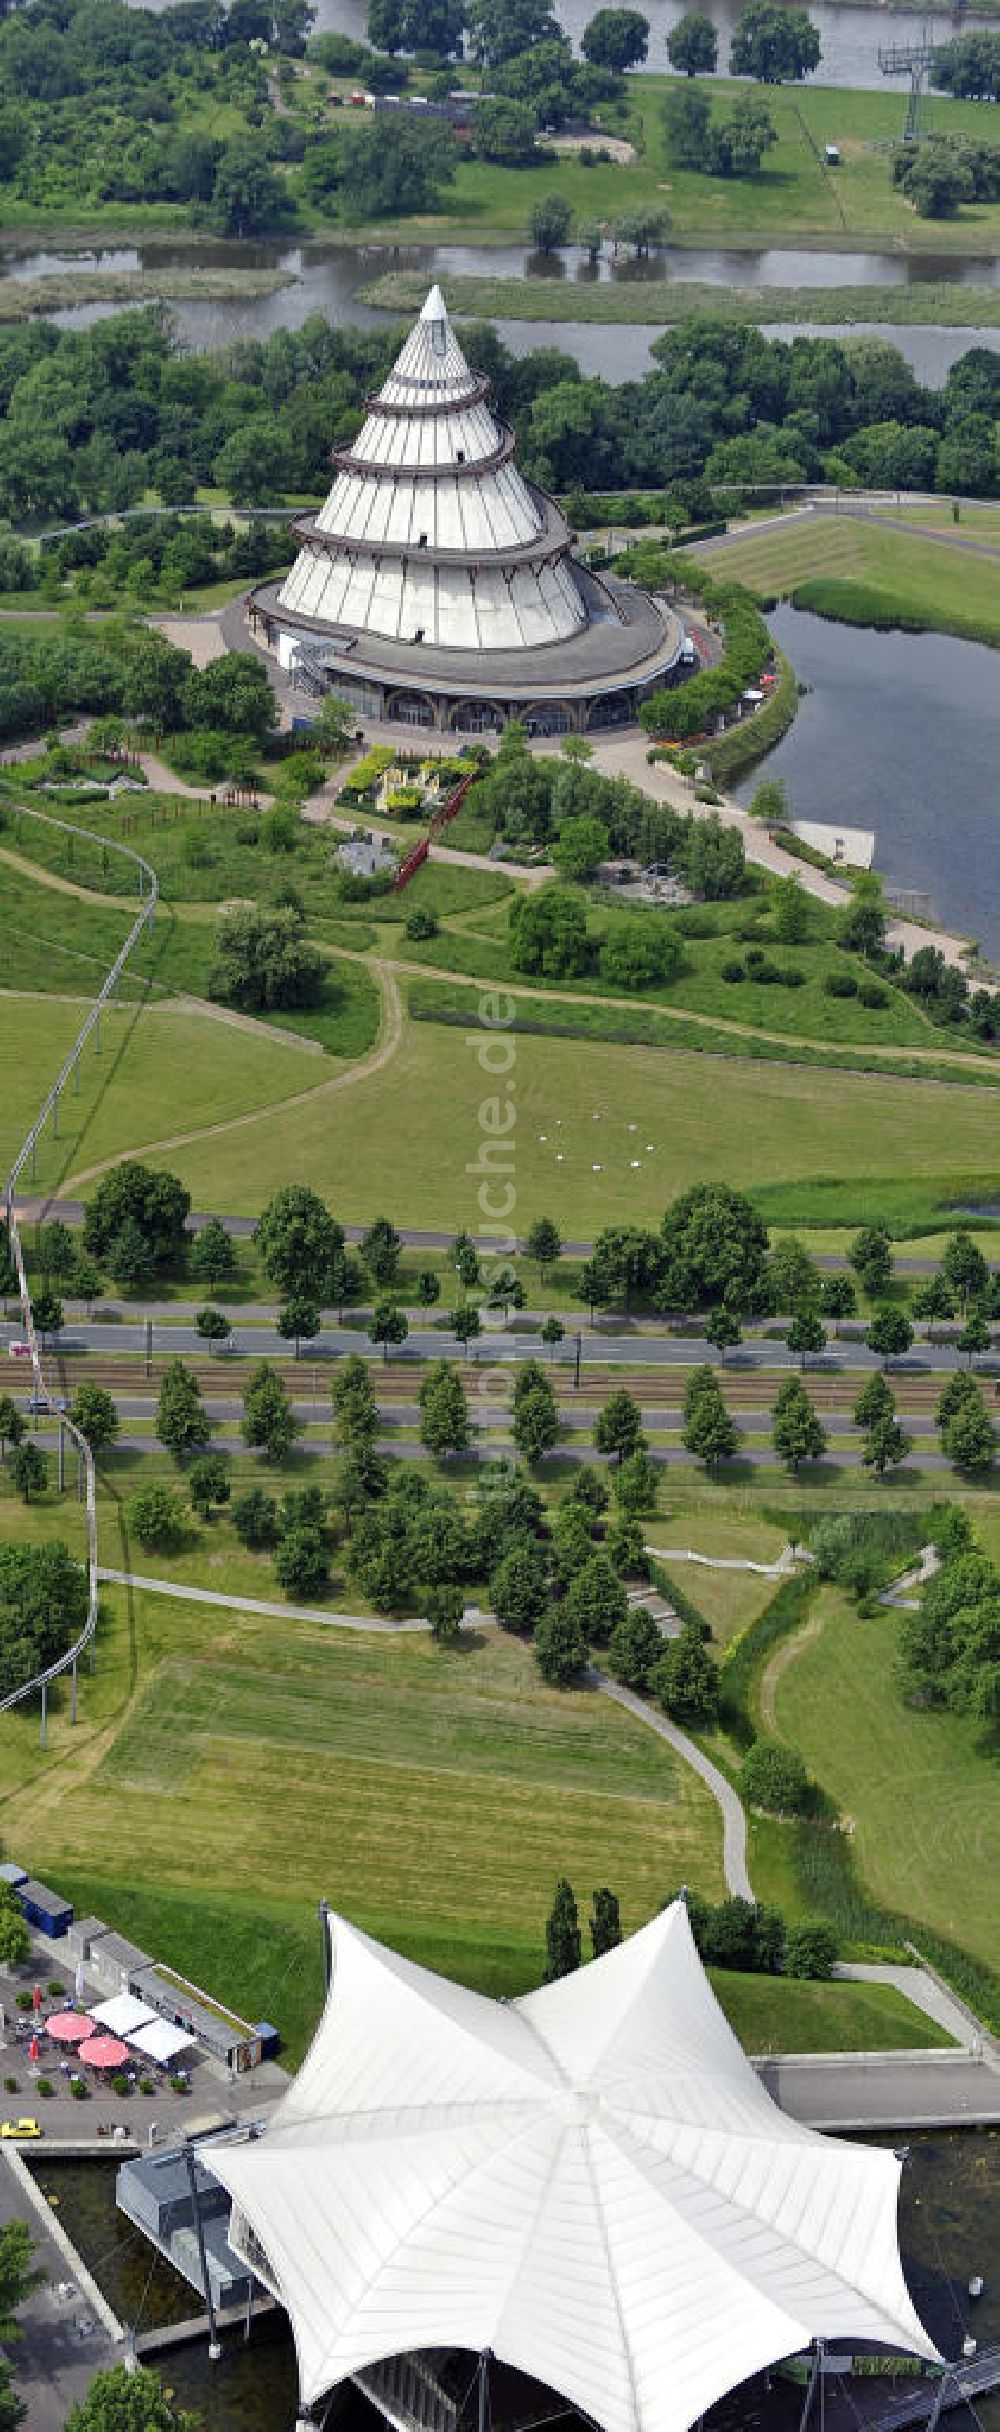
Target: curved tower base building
[(436, 586)]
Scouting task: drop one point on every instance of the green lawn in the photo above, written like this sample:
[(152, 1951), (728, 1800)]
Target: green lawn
[(434, 1798), (404, 1137), (772, 2015), (164, 1069), (879, 1759), (795, 197), (656, 303), (922, 575)]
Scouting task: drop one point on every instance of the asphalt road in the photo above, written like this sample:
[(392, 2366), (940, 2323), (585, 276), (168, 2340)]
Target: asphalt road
[(891, 2090)]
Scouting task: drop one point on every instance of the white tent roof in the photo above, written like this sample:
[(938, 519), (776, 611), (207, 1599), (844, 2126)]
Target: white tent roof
[(591, 2183), (122, 2015), (162, 2042)]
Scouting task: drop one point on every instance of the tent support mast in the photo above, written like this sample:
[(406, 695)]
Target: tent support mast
[(817, 2368)]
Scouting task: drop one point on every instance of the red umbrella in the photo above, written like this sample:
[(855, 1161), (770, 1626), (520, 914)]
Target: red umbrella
[(37, 1997), (104, 2052), (67, 2027), (33, 2048)]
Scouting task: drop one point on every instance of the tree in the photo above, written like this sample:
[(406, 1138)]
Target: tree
[(548, 934), (213, 1326), (182, 1422), (713, 1247), (837, 1296), (29, 1470), (618, 1427), (811, 1950), (126, 2400), (796, 1432), (444, 1411), (155, 1203), (130, 1258), (302, 1562), (544, 1244), (775, 45), (572, 1543), (936, 180), (502, 29), (560, 1647), (791, 911), (862, 926), (723, 1329), (519, 1588), (380, 1250), (355, 1410), (968, 1437), (693, 45), (466, 1261), (870, 1255), (616, 38), (156, 1517), (563, 1944), (43, 1607), (774, 1777), (806, 1335), (57, 1250), (428, 1288), (47, 1314), (387, 1324), (248, 198), (445, 1613), (686, 1679), (465, 1323), (94, 1412), (506, 1291), (963, 1268), (208, 1484), (736, 147), (299, 1243), (552, 1333), (12, 1426), (708, 1430), (875, 1401), (268, 1422), (549, 223), (635, 1646), (890, 1333), (605, 1922), (596, 1600), (885, 1444), (634, 1484), (264, 961), (212, 1257), (255, 1519), (299, 1321), (15, 1951)]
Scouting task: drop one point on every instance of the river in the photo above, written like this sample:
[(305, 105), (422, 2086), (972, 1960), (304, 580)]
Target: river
[(949, 2228), (900, 733), (851, 37), (327, 282)]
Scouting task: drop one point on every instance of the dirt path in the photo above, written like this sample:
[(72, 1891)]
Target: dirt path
[(783, 1657), (390, 1034)]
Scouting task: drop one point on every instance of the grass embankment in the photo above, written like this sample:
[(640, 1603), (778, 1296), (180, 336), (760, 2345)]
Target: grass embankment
[(655, 303), (62, 291), (408, 1133), (839, 1703), (887, 573), (453, 1790)]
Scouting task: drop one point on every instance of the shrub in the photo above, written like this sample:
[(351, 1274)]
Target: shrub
[(10, 2085), (24, 2001), (55, 1987), (774, 1777), (78, 2090), (120, 2082), (147, 2085), (793, 977), (810, 1950), (733, 971), (873, 995), (44, 2087), (840, 983)]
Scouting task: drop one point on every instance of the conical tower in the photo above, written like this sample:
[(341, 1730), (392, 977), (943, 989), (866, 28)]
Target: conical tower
[(430, 534), (436, 586)]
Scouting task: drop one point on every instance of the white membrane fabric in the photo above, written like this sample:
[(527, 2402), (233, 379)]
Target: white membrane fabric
[(591, 2183)]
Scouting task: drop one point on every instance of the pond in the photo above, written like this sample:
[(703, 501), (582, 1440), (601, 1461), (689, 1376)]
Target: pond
[(949, 2228), (900, 733)]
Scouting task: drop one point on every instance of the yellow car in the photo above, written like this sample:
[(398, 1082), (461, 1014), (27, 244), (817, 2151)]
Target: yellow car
[(19, 2128)]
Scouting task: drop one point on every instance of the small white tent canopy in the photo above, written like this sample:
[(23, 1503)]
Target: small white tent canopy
[(161, 2042), (122, 2015), (590, 2183)]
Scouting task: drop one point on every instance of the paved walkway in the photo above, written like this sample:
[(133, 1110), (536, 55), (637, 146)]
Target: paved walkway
[(928, 1994), (64, 2340), (472, 1619), (734, 1823)]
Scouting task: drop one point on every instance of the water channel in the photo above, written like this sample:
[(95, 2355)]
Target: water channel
[(327, 282), (949, 2228), (900, 733)]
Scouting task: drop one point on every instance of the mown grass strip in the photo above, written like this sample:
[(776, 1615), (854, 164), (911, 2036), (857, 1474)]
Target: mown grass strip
[(658, 302)]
